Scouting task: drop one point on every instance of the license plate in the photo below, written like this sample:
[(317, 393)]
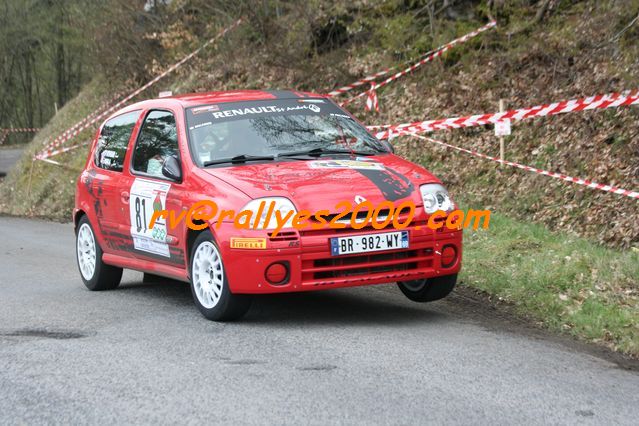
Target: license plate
[(369, 243)]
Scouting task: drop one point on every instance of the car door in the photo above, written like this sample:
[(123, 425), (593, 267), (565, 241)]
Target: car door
[(107, 179), (151, 191)]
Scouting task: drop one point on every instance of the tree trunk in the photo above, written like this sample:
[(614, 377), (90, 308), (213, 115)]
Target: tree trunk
[(60, 61), (27, 87)]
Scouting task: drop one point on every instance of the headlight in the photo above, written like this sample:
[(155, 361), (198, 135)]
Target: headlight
[(281, 204), (435, 198)]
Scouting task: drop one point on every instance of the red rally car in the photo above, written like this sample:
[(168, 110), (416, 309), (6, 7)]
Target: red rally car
[(238, 148)]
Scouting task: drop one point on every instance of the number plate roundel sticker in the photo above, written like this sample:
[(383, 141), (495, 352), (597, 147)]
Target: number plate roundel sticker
[(147, 197)]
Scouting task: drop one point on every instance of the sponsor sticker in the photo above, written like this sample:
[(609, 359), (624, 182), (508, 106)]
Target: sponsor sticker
[(208, 108), (246, 111), (248, 243), (231, 111), (257, 110), (208, 123), (502, 128), (345, 164), (146, 197)]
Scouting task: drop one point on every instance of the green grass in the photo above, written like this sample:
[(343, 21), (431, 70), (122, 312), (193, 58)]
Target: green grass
[(567, 283)]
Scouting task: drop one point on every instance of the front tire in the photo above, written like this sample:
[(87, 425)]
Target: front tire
[(96, 274), (209, 285), (428, 290)]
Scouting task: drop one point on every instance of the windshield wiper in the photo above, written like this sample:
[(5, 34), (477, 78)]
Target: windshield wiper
[(322, 151), (238, 159)]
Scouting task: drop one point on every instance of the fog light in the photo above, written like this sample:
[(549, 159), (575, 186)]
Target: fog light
[(277, 273), (449, 256)]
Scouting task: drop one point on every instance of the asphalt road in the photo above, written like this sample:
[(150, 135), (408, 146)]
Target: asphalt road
[(143, 354), (8, 157)]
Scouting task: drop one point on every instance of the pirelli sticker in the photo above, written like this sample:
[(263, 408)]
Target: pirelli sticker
[(248, 243)]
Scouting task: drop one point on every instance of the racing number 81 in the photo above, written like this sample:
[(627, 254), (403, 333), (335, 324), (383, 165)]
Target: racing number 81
[(140, 219)]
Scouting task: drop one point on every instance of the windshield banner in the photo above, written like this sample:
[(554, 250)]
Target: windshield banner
[(230, 111)]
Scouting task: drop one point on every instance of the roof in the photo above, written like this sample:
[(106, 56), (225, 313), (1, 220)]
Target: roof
[(194, 99)]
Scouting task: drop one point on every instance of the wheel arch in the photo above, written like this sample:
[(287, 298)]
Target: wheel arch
[(191, 235), (77, 215)]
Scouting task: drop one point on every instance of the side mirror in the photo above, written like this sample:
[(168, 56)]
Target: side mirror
[(172, 169), (389, 146)]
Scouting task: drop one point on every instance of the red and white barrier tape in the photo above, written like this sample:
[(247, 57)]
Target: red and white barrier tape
[(363, 81), (429, 57), (62, 137), (50, 161), (611, 100), (59, 151), (578, 181), (386, 71), (4, 133), (372, 103), (379, 126), (51, 151), (21, 130), (373, 77)]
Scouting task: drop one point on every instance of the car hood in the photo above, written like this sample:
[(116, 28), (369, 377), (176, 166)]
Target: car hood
[(320, 184)]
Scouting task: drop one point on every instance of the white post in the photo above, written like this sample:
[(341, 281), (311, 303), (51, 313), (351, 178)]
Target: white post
[(501, 138)]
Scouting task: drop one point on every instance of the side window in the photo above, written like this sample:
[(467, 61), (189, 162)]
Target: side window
[(114, 140), (157, 142)]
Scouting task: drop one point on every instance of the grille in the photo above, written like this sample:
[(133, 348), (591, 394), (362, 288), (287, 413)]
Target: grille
[(283, 236), (336, 267)]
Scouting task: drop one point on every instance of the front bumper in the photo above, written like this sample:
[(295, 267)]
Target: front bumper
[(311, 267)]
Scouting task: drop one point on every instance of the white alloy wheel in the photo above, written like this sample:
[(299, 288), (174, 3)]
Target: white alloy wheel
[(209, 285), (86, 251), (207, 274)]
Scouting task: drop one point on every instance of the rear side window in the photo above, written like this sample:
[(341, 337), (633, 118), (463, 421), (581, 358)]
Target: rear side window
[(156, 142), (114, 140)]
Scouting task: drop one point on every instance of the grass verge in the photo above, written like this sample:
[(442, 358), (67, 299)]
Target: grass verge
[(565, 283)]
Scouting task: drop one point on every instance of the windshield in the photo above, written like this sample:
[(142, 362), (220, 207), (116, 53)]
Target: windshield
[(274, 128)]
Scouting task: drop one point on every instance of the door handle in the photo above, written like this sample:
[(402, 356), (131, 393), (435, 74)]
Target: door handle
[(124, 196)]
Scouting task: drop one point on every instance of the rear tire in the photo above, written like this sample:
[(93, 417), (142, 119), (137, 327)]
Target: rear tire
[(96, 274), (209, 285), (428, 290)]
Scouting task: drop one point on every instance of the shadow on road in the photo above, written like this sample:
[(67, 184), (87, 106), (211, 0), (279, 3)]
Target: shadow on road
[(343, 307), (361, 306), (177, 292)]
